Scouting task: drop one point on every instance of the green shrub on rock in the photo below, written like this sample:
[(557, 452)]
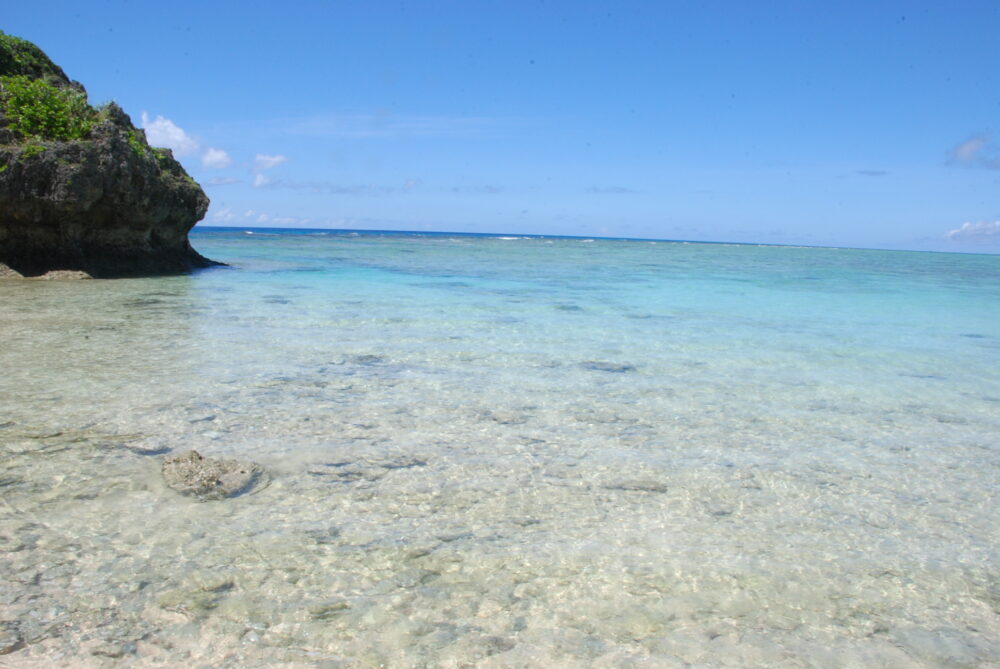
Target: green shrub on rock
[(138, 146), (31, 150), (36, 108)]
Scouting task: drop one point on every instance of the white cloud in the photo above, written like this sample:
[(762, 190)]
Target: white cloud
[(164, 132), (975, 232), (262, 162), (224, 215), (260, 181), (216, 158), (223, 181)]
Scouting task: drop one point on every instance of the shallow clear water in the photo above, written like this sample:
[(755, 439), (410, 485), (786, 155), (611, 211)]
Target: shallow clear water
[(507, 452)]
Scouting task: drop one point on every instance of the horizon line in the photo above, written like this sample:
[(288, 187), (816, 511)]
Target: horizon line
[(372, 231)]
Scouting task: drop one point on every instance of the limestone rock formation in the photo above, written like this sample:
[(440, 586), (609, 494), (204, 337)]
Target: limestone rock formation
[(191, 473), (80, 188)]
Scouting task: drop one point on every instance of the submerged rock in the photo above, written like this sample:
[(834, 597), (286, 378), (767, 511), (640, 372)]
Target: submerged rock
[(10, 638), (80, 188), (637, 485), (192, 474), (602, 366)]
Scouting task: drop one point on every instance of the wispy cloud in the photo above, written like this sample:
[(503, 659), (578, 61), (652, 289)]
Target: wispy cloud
[(223, 181), (251, 216), (389, 125), (224, 215), (333, 188), (263, 162), (981, 231), (254, 217), (872, 173), (977, 151), (610, 190), (485, 189)]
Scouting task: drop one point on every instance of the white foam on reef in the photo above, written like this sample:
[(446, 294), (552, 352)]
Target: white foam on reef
[(680, 455)]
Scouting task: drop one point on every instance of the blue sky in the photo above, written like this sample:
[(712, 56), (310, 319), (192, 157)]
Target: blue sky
[(840, 124)]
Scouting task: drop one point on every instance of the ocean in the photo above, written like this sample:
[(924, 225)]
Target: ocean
[(506, 451)]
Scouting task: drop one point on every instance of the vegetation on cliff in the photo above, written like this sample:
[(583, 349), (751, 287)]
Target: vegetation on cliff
[(80, 187), (19, 56), (36, 108)]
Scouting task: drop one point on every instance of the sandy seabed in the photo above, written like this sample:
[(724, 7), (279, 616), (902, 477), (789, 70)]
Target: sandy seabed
[(462, 483)]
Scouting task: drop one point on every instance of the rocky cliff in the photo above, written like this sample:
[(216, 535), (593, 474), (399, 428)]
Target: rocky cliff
[(80, 188)]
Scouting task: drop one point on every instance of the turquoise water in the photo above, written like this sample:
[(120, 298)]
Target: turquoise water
[(507, 451)]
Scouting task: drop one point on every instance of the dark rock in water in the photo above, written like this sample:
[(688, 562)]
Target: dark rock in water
[(505, 417), (147, 450), (367, 359), (328, 609), (600, 366), (80, 188), (638, 485), (206, 478), (10, 638), (326, 535), (364, 470)]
